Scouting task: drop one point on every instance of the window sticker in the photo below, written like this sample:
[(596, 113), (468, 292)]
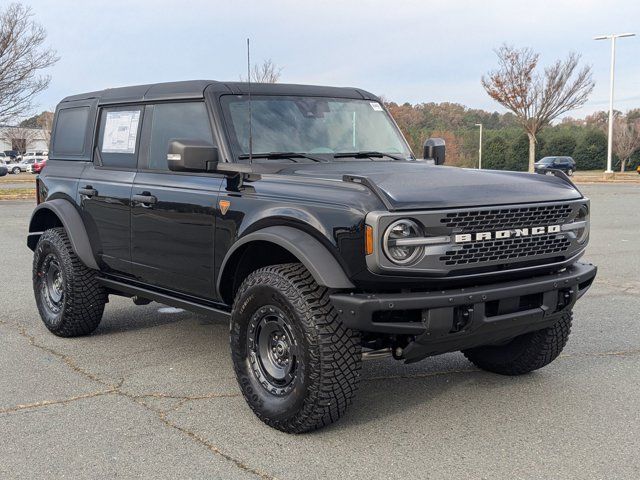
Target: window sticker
[(121, 131), (376, 106)]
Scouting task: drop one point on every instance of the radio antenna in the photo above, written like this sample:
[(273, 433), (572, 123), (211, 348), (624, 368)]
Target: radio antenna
[(249, 93)]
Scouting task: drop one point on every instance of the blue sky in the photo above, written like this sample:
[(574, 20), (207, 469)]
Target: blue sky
[(416, 51)]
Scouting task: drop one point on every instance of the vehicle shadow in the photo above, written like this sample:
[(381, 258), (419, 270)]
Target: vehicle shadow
[(126, 317), (388, 390)]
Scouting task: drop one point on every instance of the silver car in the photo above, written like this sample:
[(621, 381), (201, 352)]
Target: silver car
[(22, 166), (29, 158)]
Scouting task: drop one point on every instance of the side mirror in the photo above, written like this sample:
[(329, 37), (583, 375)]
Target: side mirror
[(192, 156), (434, 149)]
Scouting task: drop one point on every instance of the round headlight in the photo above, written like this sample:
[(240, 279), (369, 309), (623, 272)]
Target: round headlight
[(583, 216), (396, 244)]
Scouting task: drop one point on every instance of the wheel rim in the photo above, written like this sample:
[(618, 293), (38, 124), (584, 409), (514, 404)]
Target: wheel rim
[(273, 351), (52, 283), (16, 171)]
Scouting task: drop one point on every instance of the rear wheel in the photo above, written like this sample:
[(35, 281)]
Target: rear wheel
[(297, 365), (525, 353), (16, 170), (69, 298)]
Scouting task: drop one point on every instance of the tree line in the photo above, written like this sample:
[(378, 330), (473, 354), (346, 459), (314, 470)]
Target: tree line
[(506, 145), (535, 96)]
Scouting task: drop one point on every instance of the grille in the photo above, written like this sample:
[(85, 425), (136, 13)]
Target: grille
[(506, 249), (506, 218)]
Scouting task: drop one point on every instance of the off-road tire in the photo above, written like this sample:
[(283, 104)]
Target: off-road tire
[(83, 300), (329, 353), (525, 353)]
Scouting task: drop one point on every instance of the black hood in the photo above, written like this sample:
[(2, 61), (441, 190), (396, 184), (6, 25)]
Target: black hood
[(417, 185)]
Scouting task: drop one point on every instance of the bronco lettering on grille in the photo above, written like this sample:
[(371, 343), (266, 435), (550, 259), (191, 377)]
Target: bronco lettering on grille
[(516, 232)]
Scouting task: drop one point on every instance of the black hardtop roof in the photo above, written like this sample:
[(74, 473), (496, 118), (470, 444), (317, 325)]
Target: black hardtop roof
[(193, 89)]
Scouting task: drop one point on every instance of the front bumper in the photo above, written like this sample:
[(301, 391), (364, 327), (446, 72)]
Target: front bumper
[(456, 319)]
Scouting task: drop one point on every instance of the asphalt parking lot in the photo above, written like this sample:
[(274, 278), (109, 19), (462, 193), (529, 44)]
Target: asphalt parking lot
[(152, 392)]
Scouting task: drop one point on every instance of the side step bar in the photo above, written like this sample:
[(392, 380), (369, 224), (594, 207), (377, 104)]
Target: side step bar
[(218, 312)]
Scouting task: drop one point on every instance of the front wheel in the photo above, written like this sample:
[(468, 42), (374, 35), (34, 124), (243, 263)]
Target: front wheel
[(570, 172), (524, 353), (297, 365)]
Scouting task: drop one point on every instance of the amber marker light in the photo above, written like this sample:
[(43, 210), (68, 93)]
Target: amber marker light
[(368, 239), (224, 206)]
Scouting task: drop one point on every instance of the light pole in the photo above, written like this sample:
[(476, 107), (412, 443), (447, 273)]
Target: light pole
[(479, 147), (611, 37)]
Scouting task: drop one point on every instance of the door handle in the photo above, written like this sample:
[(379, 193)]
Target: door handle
[(145, 198), (88, 191)]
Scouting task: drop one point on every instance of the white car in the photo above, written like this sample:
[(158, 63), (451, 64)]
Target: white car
[(37, 155)]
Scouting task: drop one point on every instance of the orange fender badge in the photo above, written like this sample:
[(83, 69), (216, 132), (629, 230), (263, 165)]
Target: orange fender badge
[(224, 206)]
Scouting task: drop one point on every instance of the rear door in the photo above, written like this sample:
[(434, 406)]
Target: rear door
[(563, 163), (105, 185), (173, 213)]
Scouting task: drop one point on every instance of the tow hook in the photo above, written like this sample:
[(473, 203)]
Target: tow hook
[(564, 298)]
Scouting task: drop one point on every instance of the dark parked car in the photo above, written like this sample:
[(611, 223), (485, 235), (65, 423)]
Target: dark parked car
[(547, 164), (300, 215), (12, 154)]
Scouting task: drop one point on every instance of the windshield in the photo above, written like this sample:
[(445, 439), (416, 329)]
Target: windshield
[(311, 125), (547, 160)]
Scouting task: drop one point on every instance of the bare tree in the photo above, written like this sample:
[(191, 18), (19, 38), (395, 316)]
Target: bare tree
[(626, 139), (268, 72), (537, 98), (19, 137), (22, 56), (45, 122)]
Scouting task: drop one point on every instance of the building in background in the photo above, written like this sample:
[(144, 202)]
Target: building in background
[(23, 139)]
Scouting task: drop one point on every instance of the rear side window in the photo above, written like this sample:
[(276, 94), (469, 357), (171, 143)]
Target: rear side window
[(171, 121), (119, 135), (71, 131)]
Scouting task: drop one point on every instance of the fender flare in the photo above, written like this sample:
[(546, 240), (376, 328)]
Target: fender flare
[(316, 258), (73, 225)]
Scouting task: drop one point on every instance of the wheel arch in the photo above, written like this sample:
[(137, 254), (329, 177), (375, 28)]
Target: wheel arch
[(62, 213), (285, 244)]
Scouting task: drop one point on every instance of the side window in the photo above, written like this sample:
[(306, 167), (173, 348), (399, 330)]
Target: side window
[(170, 121), (70, 133), (118, 136)]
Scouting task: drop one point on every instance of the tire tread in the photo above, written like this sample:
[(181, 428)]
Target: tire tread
[(335, 351), (526, 353), (84, 297)]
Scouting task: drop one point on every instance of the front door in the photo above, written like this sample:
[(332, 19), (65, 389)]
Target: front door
[(173, 213)]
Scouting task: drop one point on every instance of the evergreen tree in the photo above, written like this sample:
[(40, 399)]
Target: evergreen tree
[(495, 154), (591, 152)]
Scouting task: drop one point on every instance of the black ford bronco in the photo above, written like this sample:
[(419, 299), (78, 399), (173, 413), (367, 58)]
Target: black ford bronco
[(300, 215)]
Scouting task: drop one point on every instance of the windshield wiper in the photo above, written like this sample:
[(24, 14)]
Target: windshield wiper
[(366, 154), (278, 155)]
